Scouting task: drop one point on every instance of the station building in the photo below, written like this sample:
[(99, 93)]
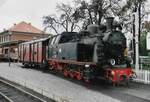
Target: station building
[(18, 33)]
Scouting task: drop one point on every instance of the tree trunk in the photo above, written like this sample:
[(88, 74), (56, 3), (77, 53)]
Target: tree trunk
[(100, 17), (133, 47), (139, 11)]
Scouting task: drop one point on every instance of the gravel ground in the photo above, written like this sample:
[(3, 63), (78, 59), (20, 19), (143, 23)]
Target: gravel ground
[(54, 86)]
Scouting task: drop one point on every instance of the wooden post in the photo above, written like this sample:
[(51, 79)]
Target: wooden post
[(9, 32)]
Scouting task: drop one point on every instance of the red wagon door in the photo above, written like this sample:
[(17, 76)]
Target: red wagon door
[(27, 53), (20, 52), (40, 52), (32, 53), (35, 52)]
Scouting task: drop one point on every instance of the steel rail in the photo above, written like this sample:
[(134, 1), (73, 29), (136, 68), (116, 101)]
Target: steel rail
[(27, 94), (5, 97)]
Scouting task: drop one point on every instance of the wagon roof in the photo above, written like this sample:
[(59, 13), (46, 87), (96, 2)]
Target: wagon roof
[(38, 40)]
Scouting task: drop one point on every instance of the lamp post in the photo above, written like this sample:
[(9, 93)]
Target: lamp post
[(137, 25), (9, 33)]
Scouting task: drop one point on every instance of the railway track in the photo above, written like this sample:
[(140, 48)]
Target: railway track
[(11, 93)]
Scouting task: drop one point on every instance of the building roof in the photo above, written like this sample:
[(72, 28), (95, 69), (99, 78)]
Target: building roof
[(25, 27), (5, 44)]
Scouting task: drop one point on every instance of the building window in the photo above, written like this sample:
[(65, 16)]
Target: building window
[(12, 50), (9, 37), (2, 39), (6, 51), (6, 38)]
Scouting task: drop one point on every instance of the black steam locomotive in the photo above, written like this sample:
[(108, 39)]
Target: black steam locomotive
[(98, 52)]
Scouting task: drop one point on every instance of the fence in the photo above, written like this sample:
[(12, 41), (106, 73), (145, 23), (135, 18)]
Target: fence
[(144, 63), (143, 76)]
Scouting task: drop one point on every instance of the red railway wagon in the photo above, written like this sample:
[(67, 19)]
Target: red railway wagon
[(33, 53)]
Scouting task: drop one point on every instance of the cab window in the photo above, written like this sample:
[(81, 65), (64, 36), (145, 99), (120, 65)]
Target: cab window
[(68, 37), (53, 40), (57, 39)]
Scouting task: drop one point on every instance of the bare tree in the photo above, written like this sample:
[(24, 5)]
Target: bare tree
[(66, 20), (51, 22), (82, 14), (94, 11), (129, 8)]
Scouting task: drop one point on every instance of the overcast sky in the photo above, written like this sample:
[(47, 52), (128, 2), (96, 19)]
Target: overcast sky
[(31, 11)]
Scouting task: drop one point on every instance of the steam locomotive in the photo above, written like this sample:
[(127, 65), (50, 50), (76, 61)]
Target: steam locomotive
[(98, 52)]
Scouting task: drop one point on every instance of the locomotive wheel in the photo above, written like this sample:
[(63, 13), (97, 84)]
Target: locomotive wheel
[(78, 76), (115, 84), (71, 74), (65, 73)]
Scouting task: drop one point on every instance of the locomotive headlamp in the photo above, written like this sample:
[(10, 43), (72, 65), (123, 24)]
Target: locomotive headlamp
[(112, 62), (87, 65)]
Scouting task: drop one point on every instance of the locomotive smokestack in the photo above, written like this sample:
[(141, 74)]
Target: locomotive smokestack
[(93, 29), (109, 23)]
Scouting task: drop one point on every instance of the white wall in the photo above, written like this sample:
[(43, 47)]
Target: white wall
[(148, 41)]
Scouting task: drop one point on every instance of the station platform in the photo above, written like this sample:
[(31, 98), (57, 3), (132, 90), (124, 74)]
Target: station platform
[(52, 86)]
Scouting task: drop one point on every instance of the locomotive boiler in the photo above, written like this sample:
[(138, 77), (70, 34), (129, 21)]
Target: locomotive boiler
[(98, 52)]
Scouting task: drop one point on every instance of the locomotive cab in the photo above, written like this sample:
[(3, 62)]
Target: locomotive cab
[(67, 46)]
